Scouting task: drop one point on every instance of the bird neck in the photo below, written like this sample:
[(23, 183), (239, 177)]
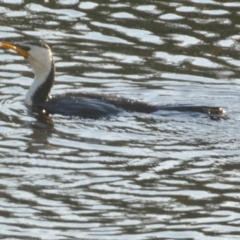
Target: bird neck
[(41, 86)]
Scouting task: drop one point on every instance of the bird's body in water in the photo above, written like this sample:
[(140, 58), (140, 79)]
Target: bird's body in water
[(86, 105)]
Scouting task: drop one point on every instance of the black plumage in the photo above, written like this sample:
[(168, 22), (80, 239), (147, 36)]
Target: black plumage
[(86, 105)]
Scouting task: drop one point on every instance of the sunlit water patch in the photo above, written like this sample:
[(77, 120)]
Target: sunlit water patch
[(168, 175)]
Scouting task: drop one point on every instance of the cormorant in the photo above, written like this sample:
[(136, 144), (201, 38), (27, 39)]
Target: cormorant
[(86, 105)]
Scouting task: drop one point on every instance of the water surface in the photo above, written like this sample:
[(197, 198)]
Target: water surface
[(134, 176)]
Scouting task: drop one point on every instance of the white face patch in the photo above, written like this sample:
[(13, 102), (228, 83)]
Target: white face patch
[(39, 59)]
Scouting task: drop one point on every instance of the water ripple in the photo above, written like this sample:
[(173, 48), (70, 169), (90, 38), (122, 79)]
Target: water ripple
[(133, 176), (68, 12)]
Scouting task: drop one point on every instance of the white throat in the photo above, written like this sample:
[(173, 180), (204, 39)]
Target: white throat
[(40, 61), (39, 79)]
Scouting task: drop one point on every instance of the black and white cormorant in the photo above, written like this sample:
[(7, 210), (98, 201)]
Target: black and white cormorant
[(86, 105)]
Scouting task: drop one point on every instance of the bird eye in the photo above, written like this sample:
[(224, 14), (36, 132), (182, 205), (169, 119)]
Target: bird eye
[(26, 48)]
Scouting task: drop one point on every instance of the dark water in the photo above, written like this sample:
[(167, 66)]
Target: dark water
[(166, 176)]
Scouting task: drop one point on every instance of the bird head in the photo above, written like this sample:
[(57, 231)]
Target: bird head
[(37, 53)]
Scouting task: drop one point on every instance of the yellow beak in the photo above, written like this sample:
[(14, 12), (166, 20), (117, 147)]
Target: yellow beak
[(18, 49)]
